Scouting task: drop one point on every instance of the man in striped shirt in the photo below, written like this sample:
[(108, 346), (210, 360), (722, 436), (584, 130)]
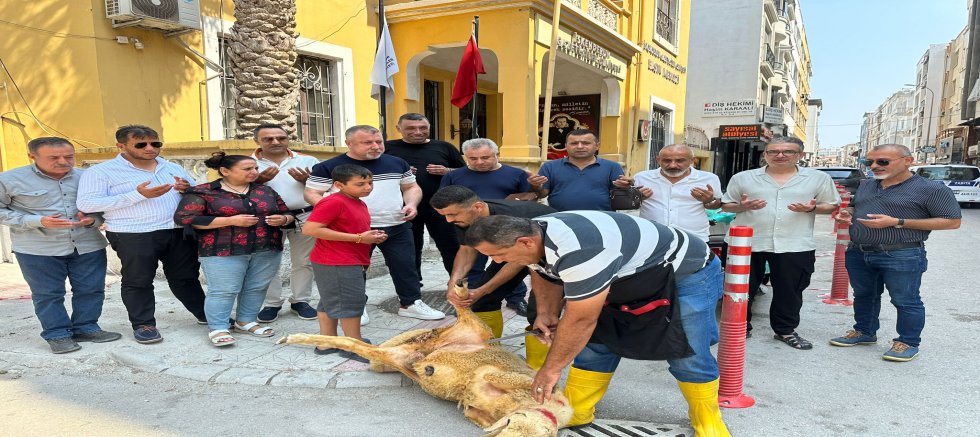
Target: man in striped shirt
[(895, 212), (138, 192), (582, 256)]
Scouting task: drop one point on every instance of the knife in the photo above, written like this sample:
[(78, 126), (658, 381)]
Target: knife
[(518, 335)]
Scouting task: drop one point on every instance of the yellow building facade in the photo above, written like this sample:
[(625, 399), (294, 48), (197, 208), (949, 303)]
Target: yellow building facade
[(620, 64)]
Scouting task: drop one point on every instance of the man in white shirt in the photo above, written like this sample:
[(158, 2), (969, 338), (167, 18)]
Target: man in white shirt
[(677, 194), (138, 192), (286, 171), (779, 201)]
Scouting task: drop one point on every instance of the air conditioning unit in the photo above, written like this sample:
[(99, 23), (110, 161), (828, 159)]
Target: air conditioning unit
[(170, 15)]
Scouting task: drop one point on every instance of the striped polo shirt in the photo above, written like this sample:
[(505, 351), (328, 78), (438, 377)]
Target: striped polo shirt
[(110, 188), (385, 201), (588, 250), (913, 198)]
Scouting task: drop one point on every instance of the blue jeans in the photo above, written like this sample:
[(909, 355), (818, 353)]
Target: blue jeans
[(245, 277), (698, 296), (398, 252), (46, 277), (901, 272)]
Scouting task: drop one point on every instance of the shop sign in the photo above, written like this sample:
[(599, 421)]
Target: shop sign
[(567, 114), (731, 108), (772, 115), (587, 51), (742, 132)]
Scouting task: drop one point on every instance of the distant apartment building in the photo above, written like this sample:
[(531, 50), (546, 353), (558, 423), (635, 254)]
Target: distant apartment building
[(754, 80), (929, 74), (951, 134), (812, 142), (893, 122)]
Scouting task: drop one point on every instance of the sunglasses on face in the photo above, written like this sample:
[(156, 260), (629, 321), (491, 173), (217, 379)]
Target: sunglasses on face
[(784, 152), (880, 162), (155, 144)]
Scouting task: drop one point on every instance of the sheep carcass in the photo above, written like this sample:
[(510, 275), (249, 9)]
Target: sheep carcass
[(491, 385)]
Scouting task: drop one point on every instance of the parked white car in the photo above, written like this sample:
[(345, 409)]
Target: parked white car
[(964, 180)]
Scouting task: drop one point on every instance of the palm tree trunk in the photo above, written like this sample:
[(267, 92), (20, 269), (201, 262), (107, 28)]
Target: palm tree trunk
[(262, 57)]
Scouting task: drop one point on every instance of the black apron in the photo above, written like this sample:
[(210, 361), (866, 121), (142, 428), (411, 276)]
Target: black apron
[(641, 319)]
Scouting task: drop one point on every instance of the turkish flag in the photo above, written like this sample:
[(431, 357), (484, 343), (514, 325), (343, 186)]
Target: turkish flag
[(469, 67)]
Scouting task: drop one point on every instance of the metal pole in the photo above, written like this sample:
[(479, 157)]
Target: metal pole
[(382, 110), (550, 80), (475, 133)]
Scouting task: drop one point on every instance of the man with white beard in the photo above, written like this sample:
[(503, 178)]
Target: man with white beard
[(677, 194)]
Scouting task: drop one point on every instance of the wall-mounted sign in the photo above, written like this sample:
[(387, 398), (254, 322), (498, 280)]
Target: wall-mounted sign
[(567, 114), (741, 132), (731, 108), (667, 67), (586, 50), (643, 130), (772, 115)]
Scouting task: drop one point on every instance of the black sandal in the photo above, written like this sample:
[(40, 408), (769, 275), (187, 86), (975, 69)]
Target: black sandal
[(795, 341)]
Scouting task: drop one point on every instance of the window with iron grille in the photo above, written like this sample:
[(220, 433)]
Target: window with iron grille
[(315, 117), (658, 133), (666, 21), (229, 120)]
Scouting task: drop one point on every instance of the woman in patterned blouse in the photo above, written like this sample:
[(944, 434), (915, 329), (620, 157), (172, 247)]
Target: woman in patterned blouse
[(239, 242)]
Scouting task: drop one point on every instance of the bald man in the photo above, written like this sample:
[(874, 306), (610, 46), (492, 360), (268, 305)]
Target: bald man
[(676, 194)]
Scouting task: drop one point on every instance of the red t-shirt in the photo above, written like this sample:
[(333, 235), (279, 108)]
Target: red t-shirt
[(341, 213)]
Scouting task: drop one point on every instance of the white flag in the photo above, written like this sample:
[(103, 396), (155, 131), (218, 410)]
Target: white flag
[(385, 66)]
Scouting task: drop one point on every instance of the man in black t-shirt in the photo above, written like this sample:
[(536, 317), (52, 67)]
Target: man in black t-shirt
[(430, 161), (461, 207)]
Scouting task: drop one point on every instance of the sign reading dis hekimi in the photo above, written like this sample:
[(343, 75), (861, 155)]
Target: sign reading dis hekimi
[(730, 108)]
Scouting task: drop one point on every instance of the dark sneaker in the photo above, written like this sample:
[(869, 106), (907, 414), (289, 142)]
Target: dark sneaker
[(63, 345), (146, 334), (900, 352), (269, 314), (303, 310), (318, 351), (520, 308), (852, 338), (355, 357), (99, 336)]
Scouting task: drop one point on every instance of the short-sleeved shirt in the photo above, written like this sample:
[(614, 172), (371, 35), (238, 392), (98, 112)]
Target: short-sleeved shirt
[(913, 198), (341, 213), (420, 155), (386, 200), (513, 208), (493, 184), (775, 228), (571, 188), (672, 203), (588, 250), (288, 188)]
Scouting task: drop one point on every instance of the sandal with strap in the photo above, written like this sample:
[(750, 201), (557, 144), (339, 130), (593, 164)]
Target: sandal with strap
[(221, 337), (795, 341), (254, 329)]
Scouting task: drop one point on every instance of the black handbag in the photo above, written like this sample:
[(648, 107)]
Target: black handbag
[(625, 198)]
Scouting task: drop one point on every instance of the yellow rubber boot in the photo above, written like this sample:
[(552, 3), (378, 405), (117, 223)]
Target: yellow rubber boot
[(703, 410), (535, 351), (584, 389), (493, 319)]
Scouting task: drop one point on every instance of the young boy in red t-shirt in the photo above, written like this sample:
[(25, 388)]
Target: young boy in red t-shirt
[(341, 225)]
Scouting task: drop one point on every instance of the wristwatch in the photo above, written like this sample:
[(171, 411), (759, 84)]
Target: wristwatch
[(901, 224)]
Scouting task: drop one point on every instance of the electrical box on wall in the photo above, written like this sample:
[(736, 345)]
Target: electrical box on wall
[(169, 15)]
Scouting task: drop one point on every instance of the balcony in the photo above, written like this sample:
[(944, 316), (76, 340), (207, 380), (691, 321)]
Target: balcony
[(770, 8), (780, 29), (768, 62)]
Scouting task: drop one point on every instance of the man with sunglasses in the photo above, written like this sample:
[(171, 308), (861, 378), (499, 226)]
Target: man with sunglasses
[(138, 192), (779, 201), (895, 212)]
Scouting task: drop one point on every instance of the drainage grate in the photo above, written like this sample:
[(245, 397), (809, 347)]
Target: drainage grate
[(435, 299), (625, 428)]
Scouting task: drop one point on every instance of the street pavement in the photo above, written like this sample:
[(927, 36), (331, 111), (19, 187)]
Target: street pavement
[(279, 389)]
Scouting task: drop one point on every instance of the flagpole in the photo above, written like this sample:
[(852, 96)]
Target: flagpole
[(550, 80), (382, 104), (476, 92)]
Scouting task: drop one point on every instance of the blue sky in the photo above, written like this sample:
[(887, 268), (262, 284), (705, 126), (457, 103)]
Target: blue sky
[(862, 51)]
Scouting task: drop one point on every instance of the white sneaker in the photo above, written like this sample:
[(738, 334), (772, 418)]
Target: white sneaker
[(365, 319), (420, 310)]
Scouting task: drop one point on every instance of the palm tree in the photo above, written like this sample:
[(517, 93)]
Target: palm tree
[(262, 58)]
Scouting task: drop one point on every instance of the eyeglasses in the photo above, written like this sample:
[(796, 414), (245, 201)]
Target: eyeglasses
[(880, 162), (782, 152), (155, 144)]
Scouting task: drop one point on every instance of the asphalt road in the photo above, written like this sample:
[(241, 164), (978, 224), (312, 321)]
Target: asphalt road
[(826, 391)]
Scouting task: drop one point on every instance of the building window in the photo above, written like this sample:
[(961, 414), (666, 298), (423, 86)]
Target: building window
[(659, 121), (229, 120), (666, 22), (315, 117)]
